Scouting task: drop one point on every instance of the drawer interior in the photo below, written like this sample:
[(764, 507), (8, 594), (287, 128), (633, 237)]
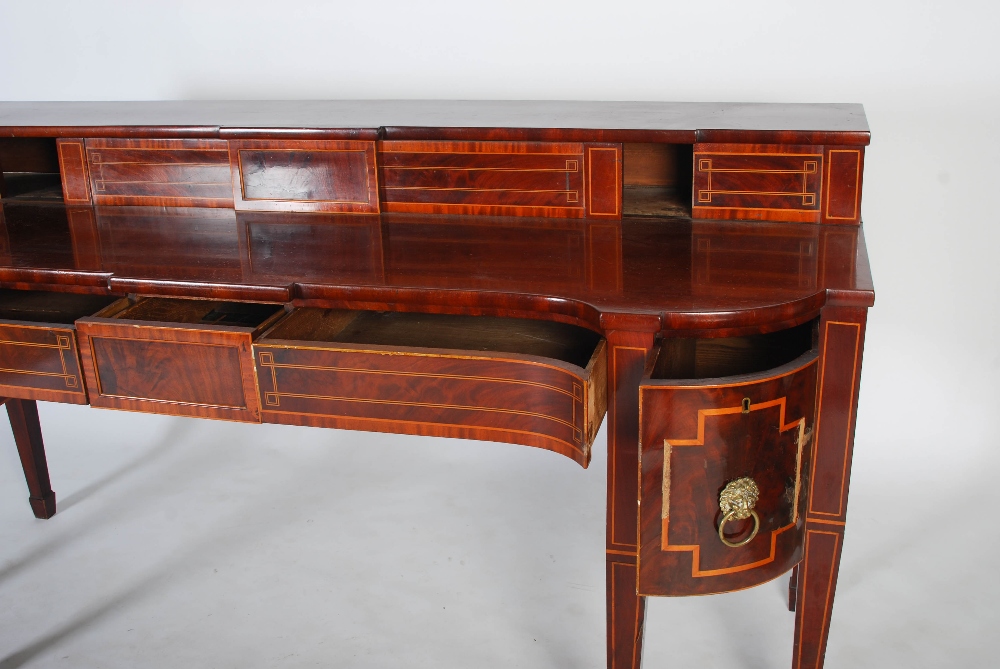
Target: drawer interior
[(559, 341), (50, 307), (691, 358), (199, 312)]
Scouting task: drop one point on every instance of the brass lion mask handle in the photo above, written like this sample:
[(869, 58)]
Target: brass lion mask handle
[(736, 501)]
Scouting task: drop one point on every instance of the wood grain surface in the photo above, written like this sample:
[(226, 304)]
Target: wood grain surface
[(698, 435)]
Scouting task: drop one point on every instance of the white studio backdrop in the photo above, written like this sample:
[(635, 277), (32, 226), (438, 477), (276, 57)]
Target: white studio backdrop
[(211, 544)]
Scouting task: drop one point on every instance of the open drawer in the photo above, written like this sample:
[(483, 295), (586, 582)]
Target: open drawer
[(531, 382), (38, 354), (724, 430), (175, 356)]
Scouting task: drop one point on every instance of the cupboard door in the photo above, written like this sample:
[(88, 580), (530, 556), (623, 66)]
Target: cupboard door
[(722, 487)]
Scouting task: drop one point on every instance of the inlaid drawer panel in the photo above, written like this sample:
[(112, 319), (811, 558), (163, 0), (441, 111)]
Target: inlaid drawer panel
[(497, 379), (38, 351), (502, 178), (723, 462), (174, 356), (763, 182), (327, 176), (161, 172)]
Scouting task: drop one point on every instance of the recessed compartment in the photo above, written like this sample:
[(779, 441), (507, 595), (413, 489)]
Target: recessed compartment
[(38, 350), (531, 382), (656, 180), (725, 429), (175, 356), (29, 169)]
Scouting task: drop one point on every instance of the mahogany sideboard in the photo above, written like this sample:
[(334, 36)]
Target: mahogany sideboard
[(505, 271)]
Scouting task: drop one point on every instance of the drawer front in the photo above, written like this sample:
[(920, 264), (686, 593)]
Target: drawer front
[(324, 176), (758, 182), (40, 362), (699, 444), (434, 392), (160, 172), (187, 370), (501, 178)]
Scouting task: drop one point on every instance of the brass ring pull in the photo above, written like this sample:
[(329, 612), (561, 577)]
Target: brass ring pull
[(736, 501)]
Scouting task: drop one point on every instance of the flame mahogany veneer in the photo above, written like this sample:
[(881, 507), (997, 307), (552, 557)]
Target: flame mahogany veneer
[(508, 271)]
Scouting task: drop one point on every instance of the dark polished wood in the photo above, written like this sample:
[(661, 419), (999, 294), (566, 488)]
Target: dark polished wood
[(74, 170), (521, 120), (841, 342), (326, 176), (160, 172), (697, 435), (180, 357), (711, 275), (27, 431), (628, 350), (491, 270), (497, 178), (536, 383)]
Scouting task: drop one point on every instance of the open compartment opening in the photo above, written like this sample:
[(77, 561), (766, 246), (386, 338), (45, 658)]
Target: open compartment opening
[(30, 169), (657, 180), (558, 341), (48, 307), (198, 312), (694, 358)]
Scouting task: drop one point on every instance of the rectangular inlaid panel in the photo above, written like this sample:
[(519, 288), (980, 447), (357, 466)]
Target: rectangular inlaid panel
[(187, 370), (844, 167), (73, 167), (604, 181), (501, 178), (424, 391), (160, 172), (696, 439), (759, 182), (39, 362), (841, 343), (328, 176)]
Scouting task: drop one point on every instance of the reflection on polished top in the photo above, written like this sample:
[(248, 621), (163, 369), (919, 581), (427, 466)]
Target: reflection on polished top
[(691, 274)]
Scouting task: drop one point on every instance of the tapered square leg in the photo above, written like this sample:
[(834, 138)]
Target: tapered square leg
[(793, 586), (842, 333), (27, 431), (626, 614), (626, 610), (814, 599)]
